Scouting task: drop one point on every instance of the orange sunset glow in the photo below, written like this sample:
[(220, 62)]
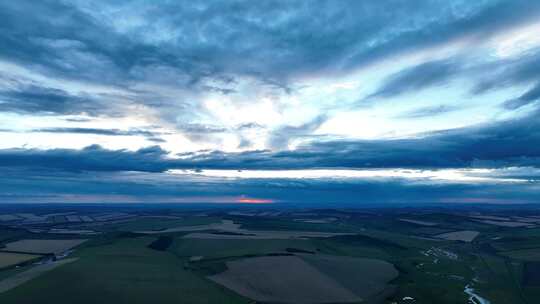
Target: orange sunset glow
[(247, 200)]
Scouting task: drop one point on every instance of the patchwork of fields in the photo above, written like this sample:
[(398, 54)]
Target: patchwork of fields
[(358, 256), (283, 279)]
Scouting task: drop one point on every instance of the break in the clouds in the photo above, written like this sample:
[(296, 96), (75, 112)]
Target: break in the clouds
[(136, 91)]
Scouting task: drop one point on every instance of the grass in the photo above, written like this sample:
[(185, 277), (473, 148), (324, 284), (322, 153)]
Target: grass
[(430, 285), (6, 273), (123, 267), (524, 254), (430, 282), (351, 273), (9, 235), (125, 271), (517, 243), (283, 279), (501, 284), (230, 248), (162, 243)]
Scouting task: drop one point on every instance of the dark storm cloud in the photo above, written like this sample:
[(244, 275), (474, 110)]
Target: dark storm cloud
[(526, 98), (201, 132), (272, 40), (193, 47), (485, 77), (511, 72), (78, 119), (428, 111), (478, 23), (416, 78), (95, 131), (201, 129), (248, 126), (91, 158), (22, 185), (510, 143), (522, 71), (208, 132), (72, 46), (149, 135), (280, 138), (36, 99), (203, 47)]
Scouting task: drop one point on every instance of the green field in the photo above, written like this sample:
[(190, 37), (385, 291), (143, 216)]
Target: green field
[(121, 266), (123, 272)]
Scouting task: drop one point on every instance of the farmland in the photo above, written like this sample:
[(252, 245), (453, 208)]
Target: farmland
[(8, 259), (23, 277), (283, 279), (128, 272), (465, 236), (39, 246), (351, 273), (286, 256)]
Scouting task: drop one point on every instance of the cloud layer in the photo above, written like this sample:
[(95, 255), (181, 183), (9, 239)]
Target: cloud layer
[(514, 143), (134, 89)]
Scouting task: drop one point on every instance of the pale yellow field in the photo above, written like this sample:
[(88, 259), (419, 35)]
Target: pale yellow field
[(465, 236), (422, 223), (42, 246), (507, 224), (9, 259), (225, 225), (240, 233)]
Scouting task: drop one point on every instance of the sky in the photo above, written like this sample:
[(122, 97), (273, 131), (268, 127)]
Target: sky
[(260, 102)]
